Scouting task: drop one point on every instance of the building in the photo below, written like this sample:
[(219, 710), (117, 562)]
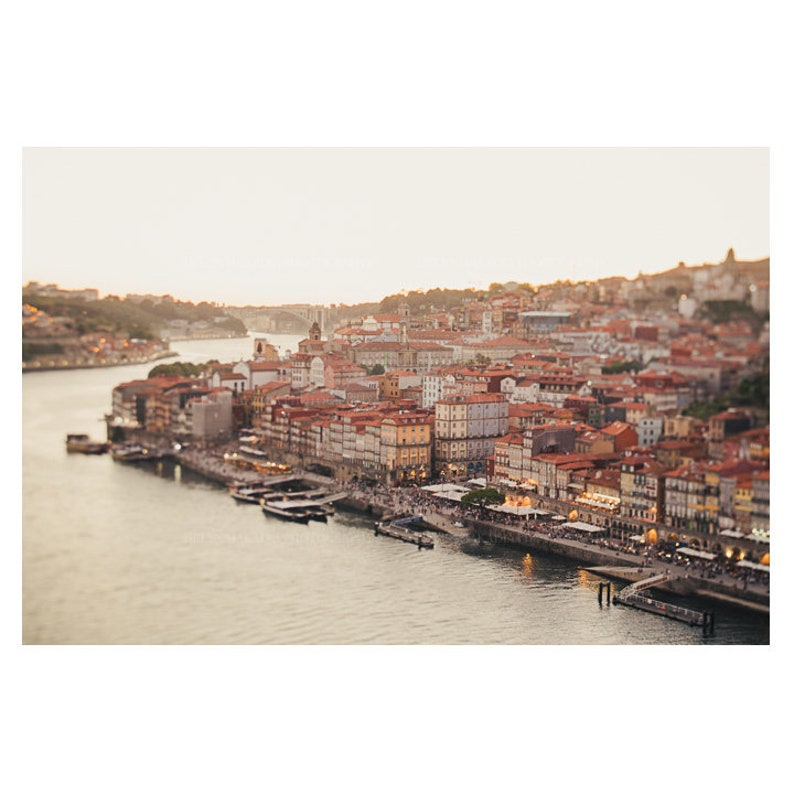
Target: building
[(416, 356), (406, 444), (466, 428), (641, 489), (539, 322), (210, 416)]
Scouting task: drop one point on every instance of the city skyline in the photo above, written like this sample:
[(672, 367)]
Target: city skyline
[(272, 226)]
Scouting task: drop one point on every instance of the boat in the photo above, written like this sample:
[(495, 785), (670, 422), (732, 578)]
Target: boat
[(402, 529), (308, 494), (290, 513), (80, 442), (320, 512), (252, 494), (313, 504)]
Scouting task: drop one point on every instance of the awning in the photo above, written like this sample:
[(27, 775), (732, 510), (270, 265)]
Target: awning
[(517, 510), (732, 533), (754, 565), (446, 491), (581, 526), (454, 496), (638, 538), (706, 555)]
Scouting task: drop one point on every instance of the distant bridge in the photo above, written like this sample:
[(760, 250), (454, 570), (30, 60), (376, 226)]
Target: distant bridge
[(286, 318)]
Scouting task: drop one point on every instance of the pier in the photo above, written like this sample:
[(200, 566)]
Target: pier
[(137, 453), (399, 529), (632, 596)]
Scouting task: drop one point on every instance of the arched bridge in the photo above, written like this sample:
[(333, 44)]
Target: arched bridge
[(287, 318)]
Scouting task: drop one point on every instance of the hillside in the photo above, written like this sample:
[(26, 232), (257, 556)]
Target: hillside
[(139, 320)]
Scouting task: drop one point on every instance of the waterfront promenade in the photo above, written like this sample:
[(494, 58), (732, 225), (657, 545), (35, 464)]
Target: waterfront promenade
[(607, 557)]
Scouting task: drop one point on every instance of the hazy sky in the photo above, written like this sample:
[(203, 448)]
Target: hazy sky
[(268, 226)]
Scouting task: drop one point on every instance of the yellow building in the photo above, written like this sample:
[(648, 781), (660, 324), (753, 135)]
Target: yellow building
[(406, 446)]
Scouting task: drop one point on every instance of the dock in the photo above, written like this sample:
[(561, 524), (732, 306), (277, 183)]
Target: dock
[(400, 529), (283, 501), (632, 596), (135, 453)]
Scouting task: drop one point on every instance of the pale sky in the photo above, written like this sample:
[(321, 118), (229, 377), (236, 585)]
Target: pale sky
[(270, 226)]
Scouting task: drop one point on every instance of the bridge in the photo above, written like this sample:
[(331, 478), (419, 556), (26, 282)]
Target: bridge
[(289, 318)]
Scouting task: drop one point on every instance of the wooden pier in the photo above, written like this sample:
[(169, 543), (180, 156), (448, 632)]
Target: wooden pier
[(399, 529)]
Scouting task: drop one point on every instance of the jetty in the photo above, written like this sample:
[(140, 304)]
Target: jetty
[(400, 528), (135, 453), (632, 596)]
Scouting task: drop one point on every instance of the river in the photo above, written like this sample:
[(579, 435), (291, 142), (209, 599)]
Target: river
[(147, 554)]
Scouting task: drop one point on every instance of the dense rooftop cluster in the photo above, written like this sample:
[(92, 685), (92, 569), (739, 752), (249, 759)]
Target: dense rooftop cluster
[(579, 395)]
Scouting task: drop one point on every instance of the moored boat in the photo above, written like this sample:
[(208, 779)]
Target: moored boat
[(251, 494), (80, 442), (290, 512)]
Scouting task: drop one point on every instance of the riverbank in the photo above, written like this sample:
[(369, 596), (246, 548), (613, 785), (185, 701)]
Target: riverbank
[(595, 556), (37, 366), (630, 567)]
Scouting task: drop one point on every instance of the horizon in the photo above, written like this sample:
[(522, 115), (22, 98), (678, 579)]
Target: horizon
[(320, 226), (640, 274)]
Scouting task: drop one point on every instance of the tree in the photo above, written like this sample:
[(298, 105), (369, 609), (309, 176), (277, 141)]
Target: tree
[(622, 366), (482, 497), (183, 369)]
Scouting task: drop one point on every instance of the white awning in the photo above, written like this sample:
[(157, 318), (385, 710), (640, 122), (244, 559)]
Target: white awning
[(581, 526), (732, 533), (446, 491), (754, 565), (638, 538), (454, 496), (516, 510), (706, 555)]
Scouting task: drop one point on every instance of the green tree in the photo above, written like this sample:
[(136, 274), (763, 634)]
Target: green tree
[(482, 497), (183, 369), (622, 366)]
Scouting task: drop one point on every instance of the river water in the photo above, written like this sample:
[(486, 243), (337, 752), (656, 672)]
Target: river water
[(149, 554)]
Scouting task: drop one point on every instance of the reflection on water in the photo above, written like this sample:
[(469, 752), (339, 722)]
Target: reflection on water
[(150, 553)]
